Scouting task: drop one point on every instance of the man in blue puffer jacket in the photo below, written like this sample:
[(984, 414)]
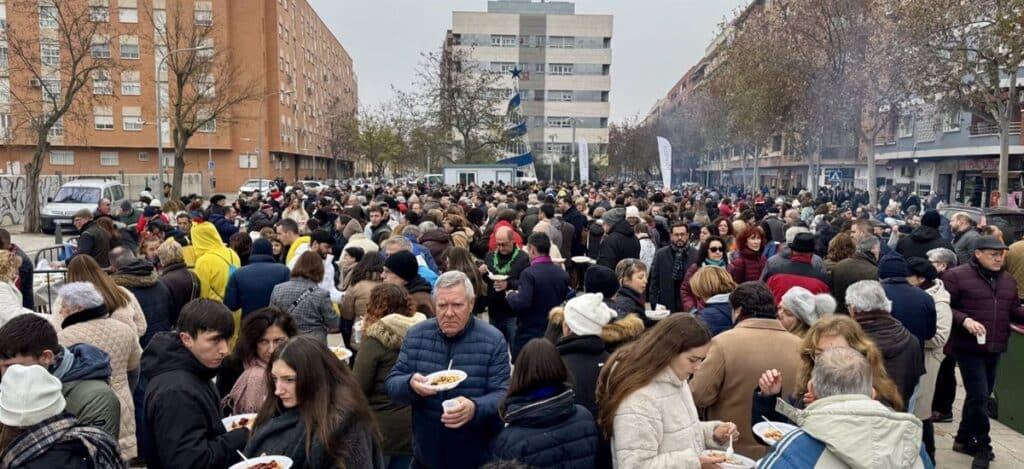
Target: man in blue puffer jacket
[(461, 437)]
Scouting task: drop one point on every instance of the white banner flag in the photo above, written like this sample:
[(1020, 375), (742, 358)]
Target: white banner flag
[(665, 153), (584, 151)]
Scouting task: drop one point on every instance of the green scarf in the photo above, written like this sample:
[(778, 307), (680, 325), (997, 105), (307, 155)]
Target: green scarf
[(720, 263), (504, 269)]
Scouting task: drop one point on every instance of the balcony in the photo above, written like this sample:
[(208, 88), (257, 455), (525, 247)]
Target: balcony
[(978, 129)]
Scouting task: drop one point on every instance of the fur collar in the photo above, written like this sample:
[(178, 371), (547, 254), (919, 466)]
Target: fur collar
[(135, 281), (390, 330), (623, 330)]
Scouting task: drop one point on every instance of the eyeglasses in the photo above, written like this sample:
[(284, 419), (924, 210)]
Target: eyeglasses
[(714, 249)]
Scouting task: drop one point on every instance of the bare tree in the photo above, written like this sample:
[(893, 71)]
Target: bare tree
[(459, 94), (70, 51), (342, 134), (204, 86)]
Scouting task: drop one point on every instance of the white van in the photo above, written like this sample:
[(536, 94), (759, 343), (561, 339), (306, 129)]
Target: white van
[(76, 195)]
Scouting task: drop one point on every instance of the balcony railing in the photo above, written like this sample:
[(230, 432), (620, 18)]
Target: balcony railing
[(990, 128)]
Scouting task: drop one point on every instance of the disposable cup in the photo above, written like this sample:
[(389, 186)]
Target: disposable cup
[(981, 339), (450, 405)]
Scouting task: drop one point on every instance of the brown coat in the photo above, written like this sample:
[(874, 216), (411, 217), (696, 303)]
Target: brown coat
[(726, 382), (357, 297)]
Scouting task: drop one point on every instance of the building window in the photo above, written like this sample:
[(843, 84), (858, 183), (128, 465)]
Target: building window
[(906, 126), (3, 56), (560, 69), (51, 89), (5, 91), (503, 67), (101, 82), (206, 87), (100, 48), (128, 15), (103, 117), (99, 14), (62, 157), (247, 161), (561, 95), (499, 40), (129, 47), (48, 17), (951, 121), (204, 13), (776, 143), (130, 84), (131, 118), (562, 42), (109, 158), (5, 125), (205, 53), (49, 53), (560, 122), (208, 127), (467, 178)]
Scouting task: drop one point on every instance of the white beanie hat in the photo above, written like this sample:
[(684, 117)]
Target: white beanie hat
[(632, 212), (587, 314), (29, 395)]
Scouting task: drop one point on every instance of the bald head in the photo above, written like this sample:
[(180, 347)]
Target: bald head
[(505, 240)]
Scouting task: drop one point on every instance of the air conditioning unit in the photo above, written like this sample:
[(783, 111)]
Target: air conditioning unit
[(35, 83)]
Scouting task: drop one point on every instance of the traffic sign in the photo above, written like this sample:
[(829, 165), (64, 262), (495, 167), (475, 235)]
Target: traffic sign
[(209, 165)]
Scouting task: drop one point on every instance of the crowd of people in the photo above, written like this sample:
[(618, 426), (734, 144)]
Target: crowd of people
[(596, 326)]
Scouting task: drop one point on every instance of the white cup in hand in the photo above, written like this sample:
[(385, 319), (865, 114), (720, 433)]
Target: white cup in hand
[(450, 405)]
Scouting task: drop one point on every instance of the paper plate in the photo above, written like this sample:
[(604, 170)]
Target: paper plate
[(658, 314), (582, 260), (461, 375), (230, 421), (558, 260), (738, 461), (498, 277), (761, 429), (283, 462), (341, 352)]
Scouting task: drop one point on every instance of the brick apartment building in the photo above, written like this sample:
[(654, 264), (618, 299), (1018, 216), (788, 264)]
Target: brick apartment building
[(305, 75)]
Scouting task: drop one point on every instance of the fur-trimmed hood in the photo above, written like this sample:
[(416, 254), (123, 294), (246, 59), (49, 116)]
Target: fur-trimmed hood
[(623, 330), (138, 273), (391, 329)]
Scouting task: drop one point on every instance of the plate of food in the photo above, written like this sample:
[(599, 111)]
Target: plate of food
[(341, 352), (234, 422), (497, 277), (736, 461), (582, 259), (772, 432), (445, 380), (264, 462), (558, 260), (657, 314)]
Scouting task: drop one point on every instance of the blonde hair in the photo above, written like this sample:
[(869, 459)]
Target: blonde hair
[(170, 252), (9, 264), (711, 280)]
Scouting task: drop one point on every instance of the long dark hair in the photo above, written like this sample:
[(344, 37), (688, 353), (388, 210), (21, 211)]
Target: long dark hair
[(327, 392), (634, 365), (538, 365), (703, 253), (253, 328), (370, 267)]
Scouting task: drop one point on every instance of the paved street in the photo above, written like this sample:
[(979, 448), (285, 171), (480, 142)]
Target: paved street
[(1007, 444)]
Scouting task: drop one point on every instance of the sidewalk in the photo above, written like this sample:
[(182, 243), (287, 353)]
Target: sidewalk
[(1007, 443), (32, 242)]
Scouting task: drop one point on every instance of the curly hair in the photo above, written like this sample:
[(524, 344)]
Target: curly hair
[(388, 299), (841, 247)]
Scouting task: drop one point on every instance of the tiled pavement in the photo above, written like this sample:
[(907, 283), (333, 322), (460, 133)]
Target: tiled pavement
[(1007, 443)]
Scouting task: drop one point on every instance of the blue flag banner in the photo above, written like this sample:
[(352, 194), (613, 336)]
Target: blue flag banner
[(521, 160), (517, 131), (514, 101)]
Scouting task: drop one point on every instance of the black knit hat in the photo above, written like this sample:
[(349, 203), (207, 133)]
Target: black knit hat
[(600, 279), (922, 268), (402, 264)]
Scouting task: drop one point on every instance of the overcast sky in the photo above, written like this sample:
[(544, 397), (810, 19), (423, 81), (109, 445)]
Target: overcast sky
[(654, 43)]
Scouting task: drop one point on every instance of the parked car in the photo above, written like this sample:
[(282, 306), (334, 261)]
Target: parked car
[(76, 195), (252, 185), (1009, 220)]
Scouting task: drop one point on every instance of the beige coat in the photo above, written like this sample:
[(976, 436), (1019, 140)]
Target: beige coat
[(726, 382), (658, 427), (120, 342), (357, 298), (933, 350), (131, 314)]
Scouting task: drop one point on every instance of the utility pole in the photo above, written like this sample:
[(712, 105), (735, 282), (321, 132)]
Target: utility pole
[(551, 158), (159, 111)]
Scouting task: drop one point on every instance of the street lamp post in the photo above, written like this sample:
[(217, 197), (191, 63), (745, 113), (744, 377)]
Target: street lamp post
[(259, 143), (572, 161), (551, 158), (159, 111)]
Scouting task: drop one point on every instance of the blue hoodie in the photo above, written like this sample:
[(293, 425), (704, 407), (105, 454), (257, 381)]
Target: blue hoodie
[(81, 362), (421, 251)]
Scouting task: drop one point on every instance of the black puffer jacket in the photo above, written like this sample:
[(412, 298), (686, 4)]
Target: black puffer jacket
[(155, 298), (920, 241), (547, 432), (620, 244), (183, 410), (584, 356), (628, 300)]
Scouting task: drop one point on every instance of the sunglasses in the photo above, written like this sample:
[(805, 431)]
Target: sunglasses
[(715, 249)]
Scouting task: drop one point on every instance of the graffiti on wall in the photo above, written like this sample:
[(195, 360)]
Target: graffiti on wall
[(13, 196)]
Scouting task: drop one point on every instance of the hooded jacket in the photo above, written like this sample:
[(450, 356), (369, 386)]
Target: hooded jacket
[(377, 355), (717, 312), (621, 332), (183, 410), (901, 351), (437, 242), (84, 372), (850, 431), (224, 226), (250, 287), (547, 432), (620, 244), (419, 289), (920, 241), (214, 261), (139, 277)]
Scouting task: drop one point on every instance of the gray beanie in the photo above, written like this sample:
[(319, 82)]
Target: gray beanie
[(807, 306)]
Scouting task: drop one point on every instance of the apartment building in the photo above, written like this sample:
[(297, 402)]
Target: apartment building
[(566, 61), (304, 76)]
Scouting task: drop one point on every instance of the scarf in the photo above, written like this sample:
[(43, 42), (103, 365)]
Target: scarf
[(63, 428), (65, 360), (678, 263), (504, 269), (541, 260), (85, 315), (250, 390), (715, 263)]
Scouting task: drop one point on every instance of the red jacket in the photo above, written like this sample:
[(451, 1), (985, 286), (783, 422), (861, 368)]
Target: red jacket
[(747, 266), (796, 272)]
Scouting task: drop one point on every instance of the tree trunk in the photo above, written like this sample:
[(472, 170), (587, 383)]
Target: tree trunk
[(179, 172), (872, 171), (32, 223)]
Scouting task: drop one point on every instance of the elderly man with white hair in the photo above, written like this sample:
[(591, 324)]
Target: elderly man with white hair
[(904, 358), (845, 426), (85, 320), (456, 435)]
